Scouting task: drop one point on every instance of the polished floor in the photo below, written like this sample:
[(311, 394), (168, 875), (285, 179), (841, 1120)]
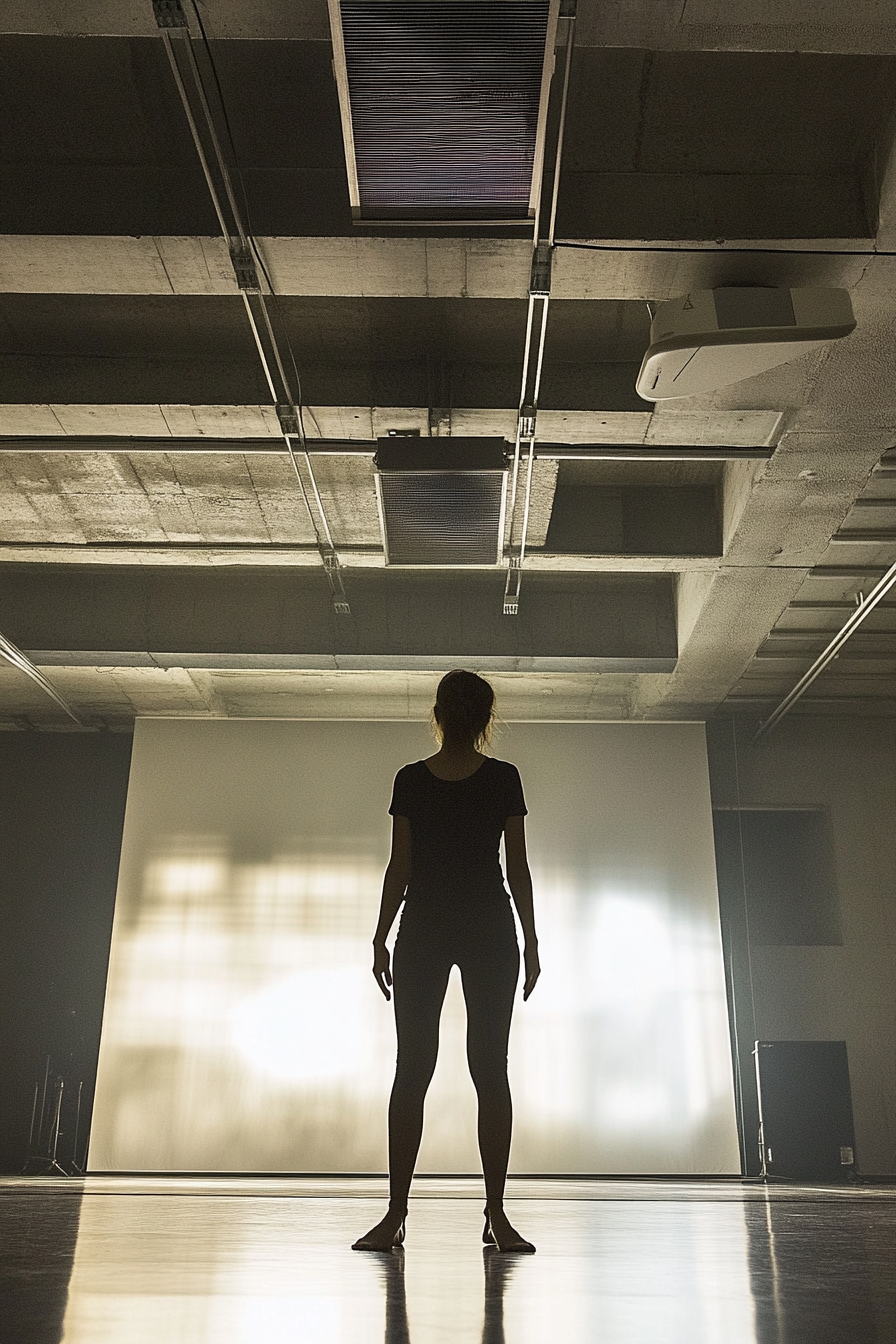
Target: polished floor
[(111, 1260)]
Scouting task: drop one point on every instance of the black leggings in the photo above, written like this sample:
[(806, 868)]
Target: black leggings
[(483, 945)]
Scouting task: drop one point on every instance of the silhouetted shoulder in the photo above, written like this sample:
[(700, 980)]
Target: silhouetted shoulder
[(507, 780), (407, 784)]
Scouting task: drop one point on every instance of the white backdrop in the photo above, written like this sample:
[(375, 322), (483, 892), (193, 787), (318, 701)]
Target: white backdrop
[(243, 1030)]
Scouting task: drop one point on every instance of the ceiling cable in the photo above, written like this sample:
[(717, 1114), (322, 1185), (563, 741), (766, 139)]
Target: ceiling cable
[(19, 660), (721, 249), (570, 31), (248, 264), (527, 416)]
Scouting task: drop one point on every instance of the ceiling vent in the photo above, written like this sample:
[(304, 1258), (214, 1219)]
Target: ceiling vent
[(714, 337), (442, 501), (443, 106)]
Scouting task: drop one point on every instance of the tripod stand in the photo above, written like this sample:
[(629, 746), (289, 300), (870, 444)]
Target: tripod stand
[(43, 1139)]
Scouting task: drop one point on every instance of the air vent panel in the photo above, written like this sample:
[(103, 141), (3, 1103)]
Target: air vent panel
[(443, 105), (442, 501)]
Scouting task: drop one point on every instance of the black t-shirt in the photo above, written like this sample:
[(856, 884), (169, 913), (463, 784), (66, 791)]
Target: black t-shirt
[(456, 828)]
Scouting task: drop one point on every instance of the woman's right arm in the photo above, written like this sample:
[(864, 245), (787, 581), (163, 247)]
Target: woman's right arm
[(519, 879), (395, 884)]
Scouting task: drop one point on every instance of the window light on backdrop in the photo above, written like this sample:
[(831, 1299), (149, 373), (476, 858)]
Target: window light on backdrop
[(243, 1029)]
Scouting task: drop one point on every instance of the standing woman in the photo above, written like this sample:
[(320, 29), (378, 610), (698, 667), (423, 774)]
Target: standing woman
[(449, 813)]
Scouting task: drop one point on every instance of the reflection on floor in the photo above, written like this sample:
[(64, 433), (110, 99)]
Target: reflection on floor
[(205, 1261)]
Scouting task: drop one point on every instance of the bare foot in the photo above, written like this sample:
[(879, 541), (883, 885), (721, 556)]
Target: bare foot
[(505, 1234), (388, 1232)]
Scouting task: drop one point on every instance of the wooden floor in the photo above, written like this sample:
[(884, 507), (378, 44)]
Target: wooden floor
[(162, 1261)]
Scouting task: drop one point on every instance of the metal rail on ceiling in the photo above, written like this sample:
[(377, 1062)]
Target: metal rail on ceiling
[(862, 611), (536, 321), (574, 452), (211, 133), (16, 658)]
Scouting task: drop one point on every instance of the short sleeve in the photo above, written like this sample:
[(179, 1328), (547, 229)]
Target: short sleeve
[(401, 794), (514, 802)]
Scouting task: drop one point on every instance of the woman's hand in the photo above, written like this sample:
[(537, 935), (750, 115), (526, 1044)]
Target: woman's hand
[(532, 968), (381, 972)]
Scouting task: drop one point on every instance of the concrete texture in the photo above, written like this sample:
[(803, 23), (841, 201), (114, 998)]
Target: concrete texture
[(624, 618), (590, 515), (759, 25), (765, 143), (351, 351), (422, 268), (693, 143)]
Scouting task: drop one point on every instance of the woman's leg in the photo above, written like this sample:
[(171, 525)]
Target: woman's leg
[(420, 971), (490, 965)]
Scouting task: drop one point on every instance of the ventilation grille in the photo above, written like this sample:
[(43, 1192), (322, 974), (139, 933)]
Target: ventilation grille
[(443, 105), (442, 502)]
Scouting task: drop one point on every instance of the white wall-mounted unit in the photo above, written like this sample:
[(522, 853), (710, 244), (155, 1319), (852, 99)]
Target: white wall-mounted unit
[(712, 337), (444, 107)]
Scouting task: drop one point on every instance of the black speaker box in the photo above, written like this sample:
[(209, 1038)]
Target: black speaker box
[(805, 1110)]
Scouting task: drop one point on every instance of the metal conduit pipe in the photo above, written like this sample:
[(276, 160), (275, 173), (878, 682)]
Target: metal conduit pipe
[(548, 452), (539, 294), (19, 660), (281, 375), (864, 609)]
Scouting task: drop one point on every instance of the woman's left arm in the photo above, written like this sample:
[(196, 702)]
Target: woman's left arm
[(394, 886), (519, 879)]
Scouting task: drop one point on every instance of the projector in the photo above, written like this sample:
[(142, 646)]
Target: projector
[(713, 337)]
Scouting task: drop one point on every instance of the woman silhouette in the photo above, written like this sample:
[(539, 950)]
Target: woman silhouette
[(449, 813)]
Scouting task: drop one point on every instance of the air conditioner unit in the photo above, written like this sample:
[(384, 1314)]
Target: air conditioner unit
[(442, 501), (713, 337)]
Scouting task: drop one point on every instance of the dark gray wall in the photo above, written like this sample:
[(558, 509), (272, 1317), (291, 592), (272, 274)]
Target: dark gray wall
[(62, 800), (820, 988)]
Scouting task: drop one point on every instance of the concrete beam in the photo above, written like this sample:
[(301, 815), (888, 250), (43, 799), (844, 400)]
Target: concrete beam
[(264, 555), (113, 696), (737, 428), (241, 510), (420, 268)]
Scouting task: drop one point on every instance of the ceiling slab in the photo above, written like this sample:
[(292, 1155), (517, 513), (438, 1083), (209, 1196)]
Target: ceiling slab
[(761, 25), (694, 144), (112, 697), (402, 619), (705, 147), (89, 424)]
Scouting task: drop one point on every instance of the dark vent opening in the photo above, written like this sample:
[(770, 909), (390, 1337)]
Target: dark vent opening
[(445, 105)]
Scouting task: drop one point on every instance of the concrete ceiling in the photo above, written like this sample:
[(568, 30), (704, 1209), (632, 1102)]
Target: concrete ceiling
[(155, 553)]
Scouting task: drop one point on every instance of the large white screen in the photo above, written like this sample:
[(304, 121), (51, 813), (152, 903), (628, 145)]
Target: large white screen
[(243, 1030)]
